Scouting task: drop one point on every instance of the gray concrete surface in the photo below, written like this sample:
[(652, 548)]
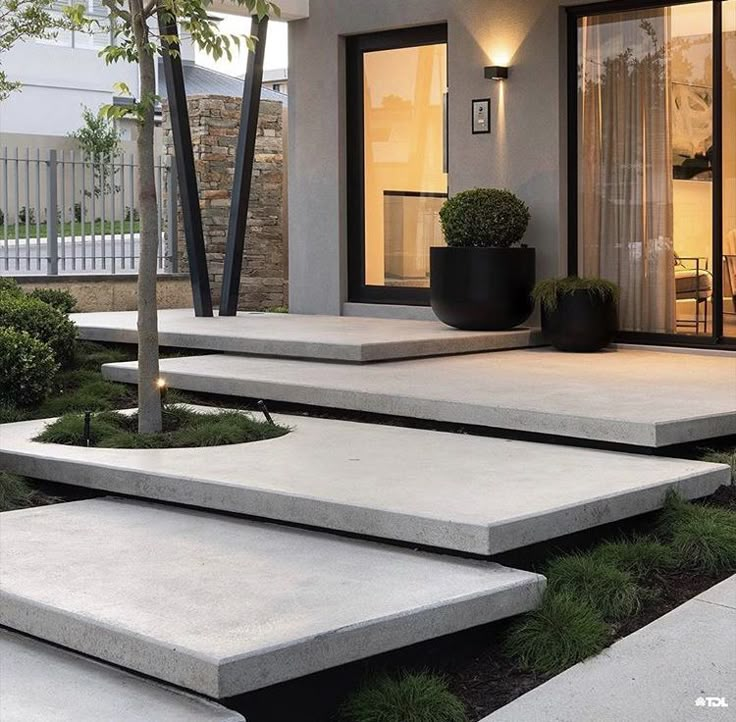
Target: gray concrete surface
[(680, 668), (220, 605), (625, 396), (42, 683), (465, 493), (324, 338)]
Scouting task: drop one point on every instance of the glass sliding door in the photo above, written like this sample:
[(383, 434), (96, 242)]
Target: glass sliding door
[(729, 169), (645, 165), (397, 161)]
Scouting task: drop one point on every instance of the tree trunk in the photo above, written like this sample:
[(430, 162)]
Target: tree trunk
[(149, 399)]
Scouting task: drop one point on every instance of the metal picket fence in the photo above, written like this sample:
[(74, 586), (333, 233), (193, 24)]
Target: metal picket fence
[(63, 212)]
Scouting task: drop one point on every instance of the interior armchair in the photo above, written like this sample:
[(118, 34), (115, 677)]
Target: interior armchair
[(694, 282), (729, 271)]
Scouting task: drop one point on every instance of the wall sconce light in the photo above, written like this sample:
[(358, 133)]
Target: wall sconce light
[(496, 72)]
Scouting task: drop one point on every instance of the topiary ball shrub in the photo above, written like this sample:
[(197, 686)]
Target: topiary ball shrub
[(27, 368), (484, 218), (43, 322), (56, 297), (412, 697)]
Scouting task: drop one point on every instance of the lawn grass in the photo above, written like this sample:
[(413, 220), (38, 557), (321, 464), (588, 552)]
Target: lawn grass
[(409, 697), (17, 493), (183, 428), (67, 231)]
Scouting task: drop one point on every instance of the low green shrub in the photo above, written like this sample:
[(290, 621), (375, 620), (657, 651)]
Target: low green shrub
[(563, 631), (484, 218), (56, 297), (17, 493), (702, 537), (182, 428), (410, 697), (607, 588), (43, 322), (549, 291), (27, 368)]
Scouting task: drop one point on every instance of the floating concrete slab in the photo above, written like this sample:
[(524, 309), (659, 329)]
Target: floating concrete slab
[(325, 338), (465, 493), (40, 683), (223, 606), (640, 398), (677, 669)]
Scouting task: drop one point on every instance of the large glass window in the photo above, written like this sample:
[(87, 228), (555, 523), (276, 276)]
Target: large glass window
[(729, 169), (399, 94), (645, 163)]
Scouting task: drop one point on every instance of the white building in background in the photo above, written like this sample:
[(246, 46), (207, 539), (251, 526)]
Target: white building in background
[(277, 80), (62, 76)]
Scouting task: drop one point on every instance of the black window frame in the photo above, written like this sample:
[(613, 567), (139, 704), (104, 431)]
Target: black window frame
[(574, 13), (356, 46)]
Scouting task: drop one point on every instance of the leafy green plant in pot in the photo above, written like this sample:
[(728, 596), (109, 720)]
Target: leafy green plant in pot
[(578, 314), (483, 279)]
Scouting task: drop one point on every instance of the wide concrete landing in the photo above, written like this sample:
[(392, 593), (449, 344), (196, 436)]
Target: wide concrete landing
[(42, 683), (324, 338), (680, 668), (223, 606), (465, 493), (626, 396)]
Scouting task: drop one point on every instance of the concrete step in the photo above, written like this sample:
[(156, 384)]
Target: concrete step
[(465, 493), (680, 668), (40, 683), (223, 606), (323, 338), (646, 399)]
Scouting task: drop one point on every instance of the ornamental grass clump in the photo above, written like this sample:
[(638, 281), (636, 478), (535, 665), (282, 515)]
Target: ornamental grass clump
[(563, 631), (484, 218), (702, 537), (410, 697), (609, 589), (183, 428), (549, 292)]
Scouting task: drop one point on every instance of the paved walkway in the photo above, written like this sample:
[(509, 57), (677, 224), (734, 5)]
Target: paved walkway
[(680, 668), (324, 338), (625, 396)]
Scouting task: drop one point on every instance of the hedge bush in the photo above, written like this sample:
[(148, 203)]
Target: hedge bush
[(43, 322), (484, 218), (27, 367), (10, 287), (63, 300)]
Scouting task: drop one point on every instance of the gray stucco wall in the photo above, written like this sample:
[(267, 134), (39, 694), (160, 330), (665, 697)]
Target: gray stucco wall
[(524, 153)]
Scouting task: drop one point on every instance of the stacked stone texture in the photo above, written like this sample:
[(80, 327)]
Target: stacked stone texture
[(215, 121)]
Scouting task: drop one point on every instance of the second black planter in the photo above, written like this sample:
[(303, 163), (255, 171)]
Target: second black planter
[(482, 289), (581, 322)]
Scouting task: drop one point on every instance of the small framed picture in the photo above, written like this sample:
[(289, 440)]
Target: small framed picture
[(481, 116)]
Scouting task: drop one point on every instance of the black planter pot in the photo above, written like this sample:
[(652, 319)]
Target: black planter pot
[(582, 322), (482, 289)]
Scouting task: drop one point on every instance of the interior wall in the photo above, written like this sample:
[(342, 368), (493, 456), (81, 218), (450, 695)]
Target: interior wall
[(525, 151)]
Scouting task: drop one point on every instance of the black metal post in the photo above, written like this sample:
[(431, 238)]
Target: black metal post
[(717, 164), (245, 154), (184, 153)]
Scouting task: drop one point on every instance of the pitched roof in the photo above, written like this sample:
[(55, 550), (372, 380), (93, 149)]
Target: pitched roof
[(203, 81)]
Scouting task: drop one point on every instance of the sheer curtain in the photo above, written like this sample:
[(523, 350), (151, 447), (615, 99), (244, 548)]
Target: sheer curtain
[(625, 175)]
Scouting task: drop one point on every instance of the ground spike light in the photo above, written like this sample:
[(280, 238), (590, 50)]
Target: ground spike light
[(87, 428), (162, 389), (264, 410)]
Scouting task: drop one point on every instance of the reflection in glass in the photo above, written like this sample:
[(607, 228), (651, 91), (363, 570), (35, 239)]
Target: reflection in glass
[(405, 179)]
